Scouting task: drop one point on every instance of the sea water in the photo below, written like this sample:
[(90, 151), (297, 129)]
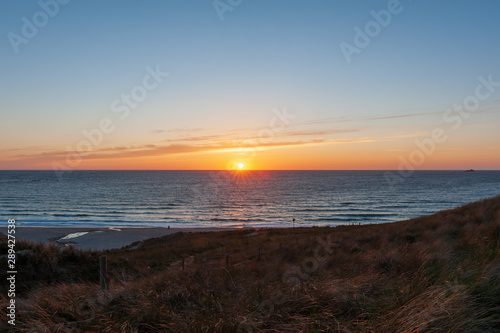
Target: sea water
[(234, 199)]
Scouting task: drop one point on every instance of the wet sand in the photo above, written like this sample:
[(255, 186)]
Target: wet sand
[(99, 238)]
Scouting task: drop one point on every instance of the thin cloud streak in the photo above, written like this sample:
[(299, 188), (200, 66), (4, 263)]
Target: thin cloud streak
[(230, 141), (177, 130), (148, 151), (221, 146), (224, 137)]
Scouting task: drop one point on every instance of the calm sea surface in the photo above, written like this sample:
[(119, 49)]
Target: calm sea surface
[(220, 198)]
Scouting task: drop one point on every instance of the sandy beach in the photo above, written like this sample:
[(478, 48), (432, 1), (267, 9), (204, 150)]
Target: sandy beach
[(97, 238)]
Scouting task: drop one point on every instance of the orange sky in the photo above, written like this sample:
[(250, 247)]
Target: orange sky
[(300, 147)]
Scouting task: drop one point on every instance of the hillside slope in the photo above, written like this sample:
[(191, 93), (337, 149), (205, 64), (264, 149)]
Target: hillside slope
[(433, 273)]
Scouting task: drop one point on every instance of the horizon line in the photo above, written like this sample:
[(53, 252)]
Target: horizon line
[(394, 170)]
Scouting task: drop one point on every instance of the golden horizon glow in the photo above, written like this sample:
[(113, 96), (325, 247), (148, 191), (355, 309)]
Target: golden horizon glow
[(302, 147)]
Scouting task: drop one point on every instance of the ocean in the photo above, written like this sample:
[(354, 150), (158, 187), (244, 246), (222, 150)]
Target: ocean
[(234, 199)]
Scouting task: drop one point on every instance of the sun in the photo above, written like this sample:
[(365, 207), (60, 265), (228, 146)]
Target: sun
[(241, 166)]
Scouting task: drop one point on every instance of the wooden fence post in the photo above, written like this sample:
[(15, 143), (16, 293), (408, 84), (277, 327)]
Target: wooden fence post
[(103, 274)]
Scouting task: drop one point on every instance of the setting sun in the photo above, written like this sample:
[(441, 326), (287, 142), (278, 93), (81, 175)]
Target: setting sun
[(241, 166)]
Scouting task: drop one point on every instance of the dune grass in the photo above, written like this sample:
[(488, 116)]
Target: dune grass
[(434, 273)]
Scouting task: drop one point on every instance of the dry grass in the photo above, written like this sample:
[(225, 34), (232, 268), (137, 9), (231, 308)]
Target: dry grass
[(434, 273)]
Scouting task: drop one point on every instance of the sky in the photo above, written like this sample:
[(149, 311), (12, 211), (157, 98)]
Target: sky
[(272, 85)]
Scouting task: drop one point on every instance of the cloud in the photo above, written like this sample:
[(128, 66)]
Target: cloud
[(232, 136), (164, 150), (31, 148), (213, 143), (115, 152), (185, 140), (199, 138), (359, 140), (407, 135), (177, 130), (304, 129), (408, 115), (322, 132)]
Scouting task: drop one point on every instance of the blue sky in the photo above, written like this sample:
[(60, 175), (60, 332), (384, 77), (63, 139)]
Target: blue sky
[(226, 76)]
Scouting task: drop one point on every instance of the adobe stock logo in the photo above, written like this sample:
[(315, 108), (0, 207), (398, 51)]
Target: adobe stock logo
[(363, 37), (30, 28), (121, 108), (221, 7), (453, 118)]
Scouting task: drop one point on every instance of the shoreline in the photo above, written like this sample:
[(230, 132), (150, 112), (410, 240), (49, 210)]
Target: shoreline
[(98, 238)]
